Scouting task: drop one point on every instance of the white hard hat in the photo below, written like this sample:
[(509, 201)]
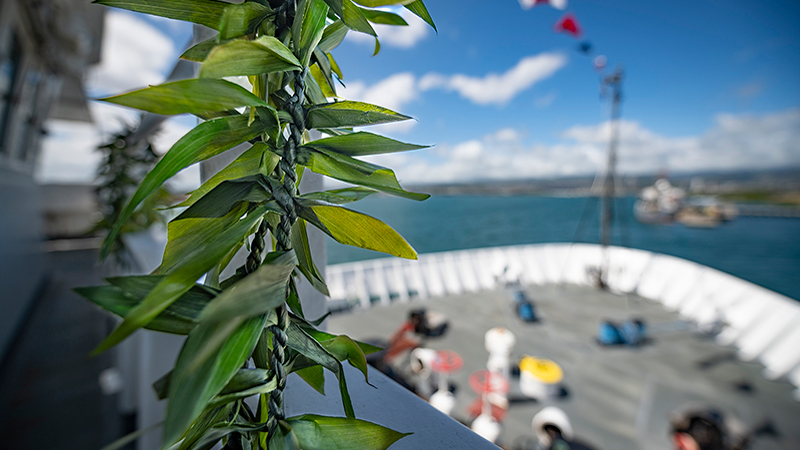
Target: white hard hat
[(554, 416)]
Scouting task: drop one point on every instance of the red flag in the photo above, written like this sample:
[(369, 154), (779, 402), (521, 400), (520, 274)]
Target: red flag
[(569, 24)]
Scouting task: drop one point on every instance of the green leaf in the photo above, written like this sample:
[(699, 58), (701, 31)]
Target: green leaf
[(304, 259), (199, 52), (384, 17), (335, 67), (323, 67), (285, 438), (298, 340), (204, 141), (336, 7), (321, 81), (353, 228), (203, 221), (340, 433), (201, 426), (309, 27), (418, 7), (256, 160), (264, 55), (362, 143), (191, 388), (332, 36), (183, 276), (345, 348), (194, 96), (259, 292), (377, 47), (378, 3), (355, 19), (321, 336), (203, 12), (350, 114), (314, 376), (340, 196), (179, 318), (351, 170), (239, 20)]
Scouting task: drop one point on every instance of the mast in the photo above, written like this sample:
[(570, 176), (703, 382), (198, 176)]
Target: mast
[(614, 83)]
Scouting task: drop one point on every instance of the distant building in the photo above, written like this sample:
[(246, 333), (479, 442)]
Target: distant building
[(45, 47)]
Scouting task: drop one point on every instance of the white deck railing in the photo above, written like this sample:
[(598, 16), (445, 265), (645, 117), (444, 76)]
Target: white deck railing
[(761, 324)]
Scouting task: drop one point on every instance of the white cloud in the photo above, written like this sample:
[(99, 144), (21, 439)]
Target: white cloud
[(734, 142), (498, 88), (395, 36), (134, 55), (69, 154), (394, 92)]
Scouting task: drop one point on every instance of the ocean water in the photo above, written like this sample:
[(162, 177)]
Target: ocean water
[(765, 251)]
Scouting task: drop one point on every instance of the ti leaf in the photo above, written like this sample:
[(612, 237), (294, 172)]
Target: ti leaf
[(345, 348), (377, 3), (305, 262), (207, 252), (314, 376), (178, 318), (362, 143), (239, 57), (241, 19), (351, 170), (355, 19), (383, 17), (418, 8), (199, 52), (203, 12), (350, 114), (194, 96), (340, 196), (191, 388), (341, 433), (298, 340), (332, 36), (307, 28), (204, 141), (354, 228), (256, 160)]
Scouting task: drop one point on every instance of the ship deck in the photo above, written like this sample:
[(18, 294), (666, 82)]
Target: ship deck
[(616, 398)]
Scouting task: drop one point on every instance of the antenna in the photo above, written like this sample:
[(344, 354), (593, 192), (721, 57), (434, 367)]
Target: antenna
[(612, 82)]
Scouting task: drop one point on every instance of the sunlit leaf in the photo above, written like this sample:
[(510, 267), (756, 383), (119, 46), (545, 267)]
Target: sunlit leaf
[(203, 12), (309, 27), (350, 114), (355, 19), (383, 17), (193, 96), (356, 229), (341, 433), (239, 57), (362, 143), (418, 7), (351, 170)]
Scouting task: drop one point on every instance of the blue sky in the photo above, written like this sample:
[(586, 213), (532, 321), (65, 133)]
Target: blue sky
[(710, 85)]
